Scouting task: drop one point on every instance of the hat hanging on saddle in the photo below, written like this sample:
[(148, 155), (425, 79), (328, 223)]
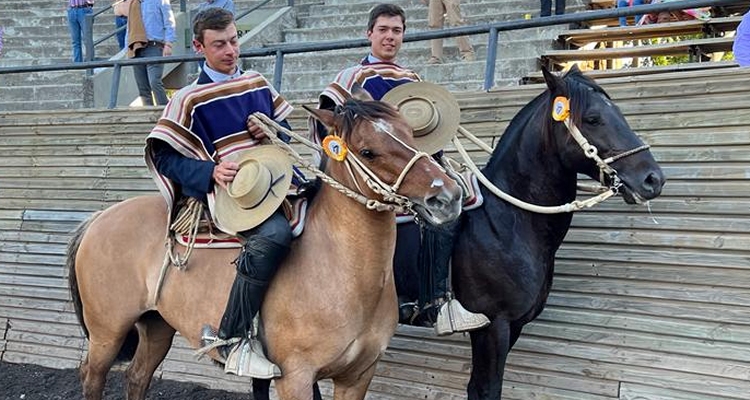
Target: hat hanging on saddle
[(257, 191), (430, 109)]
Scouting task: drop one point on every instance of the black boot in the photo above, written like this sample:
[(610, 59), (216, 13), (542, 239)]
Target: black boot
[(445, 313)]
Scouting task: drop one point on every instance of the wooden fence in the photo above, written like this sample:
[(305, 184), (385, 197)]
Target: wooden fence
[(648, 303)]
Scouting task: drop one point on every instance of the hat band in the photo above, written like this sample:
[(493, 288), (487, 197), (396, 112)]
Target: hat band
[(265, 195)]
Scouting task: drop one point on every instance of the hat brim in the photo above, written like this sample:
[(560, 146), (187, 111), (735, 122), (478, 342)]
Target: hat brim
[(230, 216), (446, 105)]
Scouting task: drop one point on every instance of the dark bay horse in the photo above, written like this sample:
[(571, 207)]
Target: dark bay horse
[(503, 256), (330, 310)]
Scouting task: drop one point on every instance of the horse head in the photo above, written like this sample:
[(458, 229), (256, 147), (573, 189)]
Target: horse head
[(376, 138), (606, 149)]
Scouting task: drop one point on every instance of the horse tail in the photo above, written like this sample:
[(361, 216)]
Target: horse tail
[(131, 342), (70, 264)]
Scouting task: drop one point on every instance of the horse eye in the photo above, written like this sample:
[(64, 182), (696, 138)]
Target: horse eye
[(592, 120), (368, 154)]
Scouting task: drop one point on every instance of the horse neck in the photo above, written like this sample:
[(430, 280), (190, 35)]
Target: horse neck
[(354, 227), (527, 168)]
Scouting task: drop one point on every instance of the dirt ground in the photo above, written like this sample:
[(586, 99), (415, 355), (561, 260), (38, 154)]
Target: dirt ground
[(32, 382)]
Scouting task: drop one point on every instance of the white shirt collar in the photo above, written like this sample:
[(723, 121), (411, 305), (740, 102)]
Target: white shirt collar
[(217, 76)]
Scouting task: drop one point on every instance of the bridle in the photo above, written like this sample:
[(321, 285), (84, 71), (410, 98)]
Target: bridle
[(607, 189), (391, 199)]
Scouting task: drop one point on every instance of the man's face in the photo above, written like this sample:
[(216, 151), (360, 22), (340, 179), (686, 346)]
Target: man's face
[(221, 49), (386, 37)]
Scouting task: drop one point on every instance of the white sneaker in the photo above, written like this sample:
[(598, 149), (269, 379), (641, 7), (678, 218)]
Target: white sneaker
[(247, 359), (453, 317)]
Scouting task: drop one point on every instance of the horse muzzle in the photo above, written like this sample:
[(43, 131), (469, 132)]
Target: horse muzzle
[(639, 191), (441, 207)]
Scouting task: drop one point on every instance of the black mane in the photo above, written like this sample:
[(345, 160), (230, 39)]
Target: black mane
[(536, 116)]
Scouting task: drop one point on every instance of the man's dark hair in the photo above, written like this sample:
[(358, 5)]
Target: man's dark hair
[(391, 10), (213, 18)]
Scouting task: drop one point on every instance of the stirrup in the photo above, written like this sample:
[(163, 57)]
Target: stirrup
[(453, 317), (247, 359), (210, 341)]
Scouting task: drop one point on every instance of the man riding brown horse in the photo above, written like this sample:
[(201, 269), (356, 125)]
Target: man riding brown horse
[(197, 151)]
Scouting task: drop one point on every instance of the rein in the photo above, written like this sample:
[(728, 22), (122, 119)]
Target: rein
[(589, 151), (392, 201)]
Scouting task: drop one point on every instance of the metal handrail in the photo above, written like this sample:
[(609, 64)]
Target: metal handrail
[(90, 44), (282, 49)]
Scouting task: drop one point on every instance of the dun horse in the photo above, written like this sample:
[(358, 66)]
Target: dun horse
[(503, 257), (329, 312)]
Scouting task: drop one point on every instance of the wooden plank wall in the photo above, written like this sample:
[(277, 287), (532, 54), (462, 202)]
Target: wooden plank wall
[(645, 305)]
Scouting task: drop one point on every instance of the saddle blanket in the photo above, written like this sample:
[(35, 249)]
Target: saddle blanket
[(294, 208)]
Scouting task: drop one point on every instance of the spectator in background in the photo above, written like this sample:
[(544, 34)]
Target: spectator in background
[(547, 8), (629, 3), (121, 8), (437, 12), (741, 47), (77, 12), (151, 33), (225, 4)]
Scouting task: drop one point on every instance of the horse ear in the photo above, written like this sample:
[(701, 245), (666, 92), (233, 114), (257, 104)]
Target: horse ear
[(359, 93), (324, 116), (555, 83)]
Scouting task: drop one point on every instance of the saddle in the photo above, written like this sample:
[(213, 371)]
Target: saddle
[(209, 237)]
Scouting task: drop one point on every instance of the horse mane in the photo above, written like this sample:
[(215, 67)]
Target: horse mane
[(536, 116)]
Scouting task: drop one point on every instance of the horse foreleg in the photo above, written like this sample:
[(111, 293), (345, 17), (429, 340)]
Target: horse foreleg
[(295, 385), (155, 339), (262, 390), (489, 350), (353, 389)]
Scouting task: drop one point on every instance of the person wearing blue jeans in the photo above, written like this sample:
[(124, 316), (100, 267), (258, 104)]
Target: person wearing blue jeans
[(628, 3), (77, 12), (159, 30), (121, 9), (547, 8)]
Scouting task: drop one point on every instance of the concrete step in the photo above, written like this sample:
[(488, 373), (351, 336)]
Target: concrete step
[(44, 78), (56, 29), (103, 51), (29, 105), (412, 54), (359, 13), (72, 90), (347, 30), (29, 60), (471, 76)]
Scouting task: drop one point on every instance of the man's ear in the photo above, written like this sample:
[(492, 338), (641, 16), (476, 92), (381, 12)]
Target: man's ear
[(326, 117), (359, 93), (198, 46)]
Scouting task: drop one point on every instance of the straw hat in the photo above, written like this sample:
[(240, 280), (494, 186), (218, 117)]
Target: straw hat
[(432, 112), (257, 190)]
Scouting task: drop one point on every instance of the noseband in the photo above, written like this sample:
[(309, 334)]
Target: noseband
[(590, 151)]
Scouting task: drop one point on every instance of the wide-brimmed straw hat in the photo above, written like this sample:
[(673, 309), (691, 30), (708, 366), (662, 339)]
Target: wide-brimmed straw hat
[(431, 110), (257, 190)]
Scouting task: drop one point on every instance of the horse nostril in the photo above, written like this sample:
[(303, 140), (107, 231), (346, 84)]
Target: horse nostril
[(653, 183), (443, 199)]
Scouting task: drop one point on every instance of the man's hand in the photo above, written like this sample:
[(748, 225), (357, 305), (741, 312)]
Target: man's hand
[(167, 50), (224, 173), (255, 131)]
